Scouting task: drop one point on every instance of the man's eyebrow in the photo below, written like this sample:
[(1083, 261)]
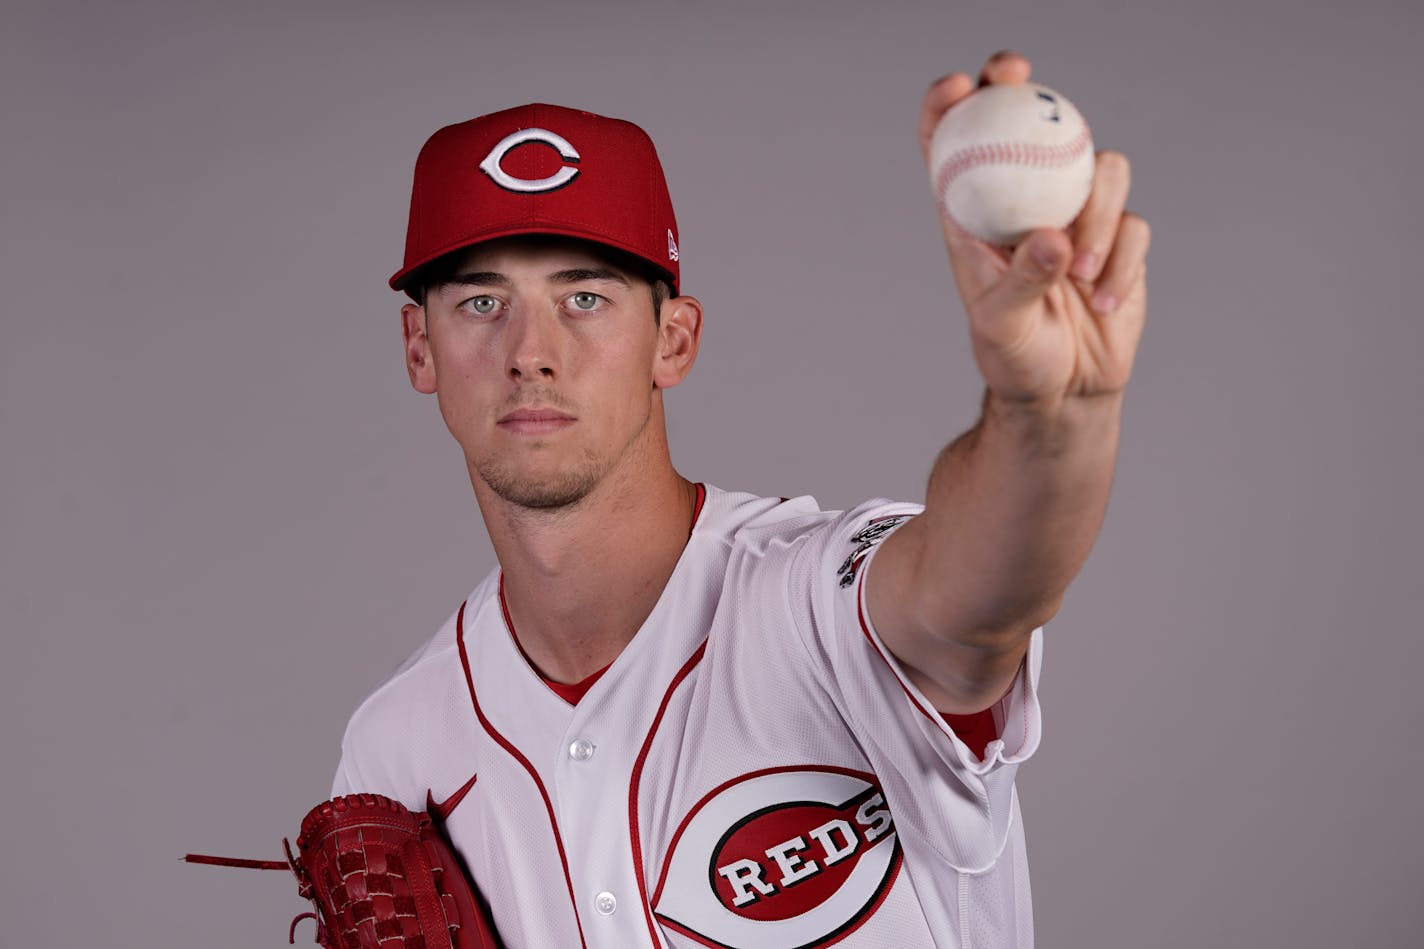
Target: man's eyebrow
[(475, 278), (491, 278), (580, 274)]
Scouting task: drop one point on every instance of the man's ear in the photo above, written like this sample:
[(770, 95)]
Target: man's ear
[(418, 360), (679, 335)]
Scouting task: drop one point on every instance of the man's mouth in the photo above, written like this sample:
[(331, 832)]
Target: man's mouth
[(535, 421)]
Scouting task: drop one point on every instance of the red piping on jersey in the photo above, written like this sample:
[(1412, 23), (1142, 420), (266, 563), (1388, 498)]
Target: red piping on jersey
[(569, 692), (515, 754), (933, 716), (573, 693), (638, 767), (633, 835)]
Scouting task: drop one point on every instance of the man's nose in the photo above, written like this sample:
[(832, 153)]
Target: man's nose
[(533, 346)]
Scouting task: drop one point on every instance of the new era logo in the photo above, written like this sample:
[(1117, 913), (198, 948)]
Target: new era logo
[(672, 246)]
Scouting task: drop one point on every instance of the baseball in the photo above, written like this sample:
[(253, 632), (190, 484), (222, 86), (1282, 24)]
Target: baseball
[(1009, 159)]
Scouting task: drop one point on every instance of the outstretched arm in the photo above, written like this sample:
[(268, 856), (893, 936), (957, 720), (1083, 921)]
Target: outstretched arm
[(1014, 504)]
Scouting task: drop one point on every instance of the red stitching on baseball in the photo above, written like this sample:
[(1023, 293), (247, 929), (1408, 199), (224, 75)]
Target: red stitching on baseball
[(1011, 153)]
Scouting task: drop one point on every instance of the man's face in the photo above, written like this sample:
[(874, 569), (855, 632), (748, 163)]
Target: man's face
[(547, 363)]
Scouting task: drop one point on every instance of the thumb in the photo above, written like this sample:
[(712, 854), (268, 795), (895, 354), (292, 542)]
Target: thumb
[(1038, 262)]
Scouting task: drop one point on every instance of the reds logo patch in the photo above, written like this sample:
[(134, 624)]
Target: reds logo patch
[(780, 858)]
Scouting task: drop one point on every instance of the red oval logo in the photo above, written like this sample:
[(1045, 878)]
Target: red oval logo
[(793, 856), (784, 860)]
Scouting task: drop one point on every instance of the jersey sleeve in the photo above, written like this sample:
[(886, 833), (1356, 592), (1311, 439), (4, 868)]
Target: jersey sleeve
[(372, 762), (348, 779), (959, 802), (409, 737)]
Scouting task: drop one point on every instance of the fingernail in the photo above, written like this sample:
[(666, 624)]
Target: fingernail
[(1104, 302), (1044, 256), (1086, 266)]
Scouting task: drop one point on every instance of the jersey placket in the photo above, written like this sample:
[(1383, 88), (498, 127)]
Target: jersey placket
[(591, 800), (584, 755)]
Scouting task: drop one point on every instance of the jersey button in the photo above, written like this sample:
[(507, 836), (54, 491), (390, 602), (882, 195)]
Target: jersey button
[(581, 749), (605, 903)]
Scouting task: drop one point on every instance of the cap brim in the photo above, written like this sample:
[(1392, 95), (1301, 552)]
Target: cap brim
[(401, 278)]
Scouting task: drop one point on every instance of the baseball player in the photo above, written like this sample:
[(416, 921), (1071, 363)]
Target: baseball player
[(680, 716)]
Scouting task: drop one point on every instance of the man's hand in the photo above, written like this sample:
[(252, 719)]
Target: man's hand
[(1014, 504), (1061, 315)]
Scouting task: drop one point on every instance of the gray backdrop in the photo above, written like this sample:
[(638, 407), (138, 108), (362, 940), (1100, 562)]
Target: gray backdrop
[(227, 516)]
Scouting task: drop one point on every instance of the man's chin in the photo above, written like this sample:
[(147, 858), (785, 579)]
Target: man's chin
[(540, 493)]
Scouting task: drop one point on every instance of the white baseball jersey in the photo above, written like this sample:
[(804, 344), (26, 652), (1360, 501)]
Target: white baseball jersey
[(754, 770)]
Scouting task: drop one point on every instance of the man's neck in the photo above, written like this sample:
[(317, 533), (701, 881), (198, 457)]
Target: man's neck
[(579, 583)]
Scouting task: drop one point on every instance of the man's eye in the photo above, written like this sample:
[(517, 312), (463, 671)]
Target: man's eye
[(585, 301), (483, 305)]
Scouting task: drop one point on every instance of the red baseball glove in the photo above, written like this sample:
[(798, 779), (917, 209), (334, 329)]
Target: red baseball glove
[(380, 877)]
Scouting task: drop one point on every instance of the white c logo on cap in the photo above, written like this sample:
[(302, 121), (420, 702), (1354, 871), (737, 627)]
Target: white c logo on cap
[(491, 164)]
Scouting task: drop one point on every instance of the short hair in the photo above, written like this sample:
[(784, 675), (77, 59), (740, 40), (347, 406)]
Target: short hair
[(419, 284)]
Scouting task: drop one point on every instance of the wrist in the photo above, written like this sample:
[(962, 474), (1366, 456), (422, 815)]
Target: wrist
[(1054, 425), (1065, 407)]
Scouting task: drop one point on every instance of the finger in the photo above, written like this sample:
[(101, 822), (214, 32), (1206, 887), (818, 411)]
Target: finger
[(1038, 262), (1124, 266), (976, 265), (1005, 66), (942, 94), (1096, 226)]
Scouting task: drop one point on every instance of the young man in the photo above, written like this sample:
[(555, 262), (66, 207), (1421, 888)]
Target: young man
[(679, 716)]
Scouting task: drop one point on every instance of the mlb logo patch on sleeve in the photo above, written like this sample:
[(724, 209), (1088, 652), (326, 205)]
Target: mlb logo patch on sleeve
[(865, 540)]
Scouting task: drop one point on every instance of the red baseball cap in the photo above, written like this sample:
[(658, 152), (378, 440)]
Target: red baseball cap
[(540, 169)]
